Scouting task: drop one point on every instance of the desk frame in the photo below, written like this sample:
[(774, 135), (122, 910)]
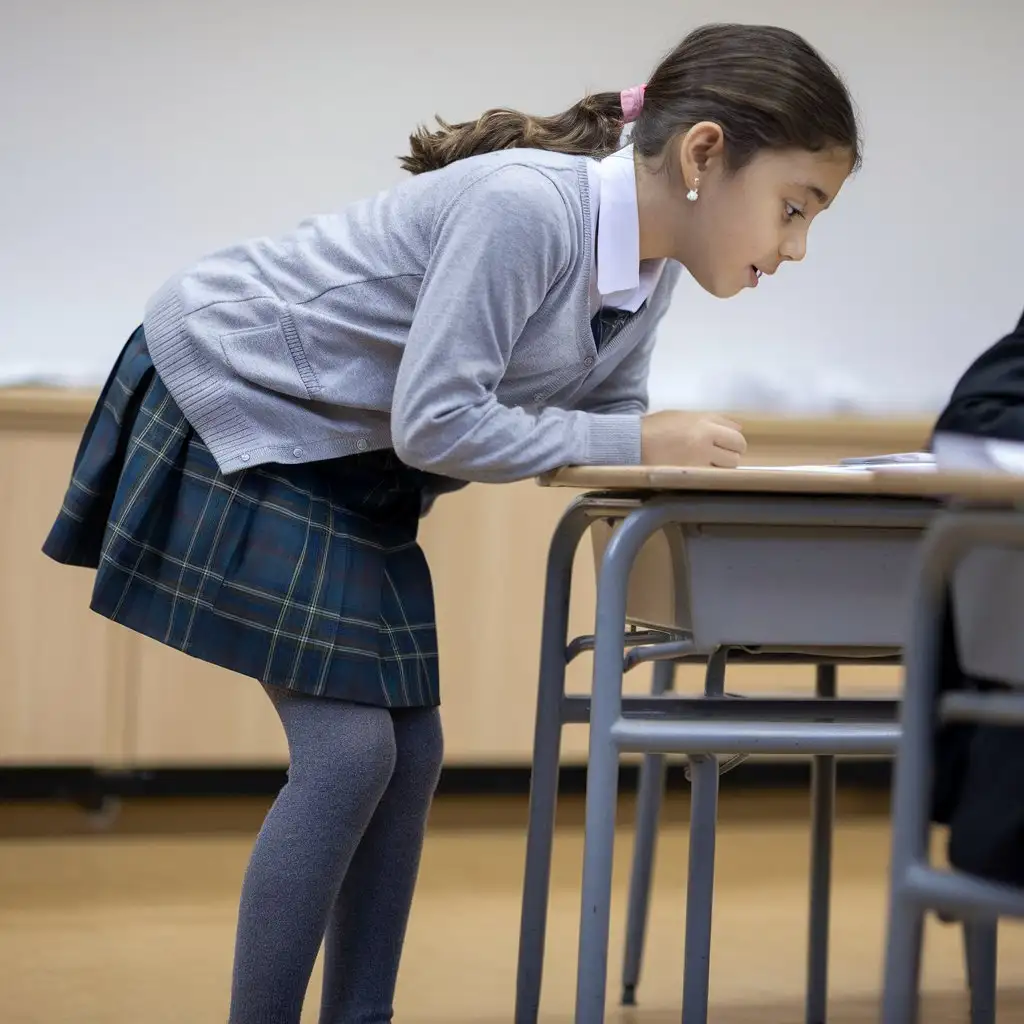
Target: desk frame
[(633, 723)]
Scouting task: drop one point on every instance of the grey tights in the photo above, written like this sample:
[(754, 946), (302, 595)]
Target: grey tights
[(336, 861)]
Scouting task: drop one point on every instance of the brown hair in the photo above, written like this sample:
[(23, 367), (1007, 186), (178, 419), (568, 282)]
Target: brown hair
[(765, 86)]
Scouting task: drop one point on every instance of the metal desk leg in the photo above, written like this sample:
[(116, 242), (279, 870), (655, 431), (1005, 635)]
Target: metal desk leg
[(546, 749), (648, 811), (981, 941), (823, 795), (603, 762), (700, 885)]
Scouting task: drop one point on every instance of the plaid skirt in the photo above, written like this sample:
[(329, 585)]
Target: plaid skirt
[(307, 577)]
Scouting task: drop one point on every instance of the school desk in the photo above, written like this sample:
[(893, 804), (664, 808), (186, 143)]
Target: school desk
[(777, 562)]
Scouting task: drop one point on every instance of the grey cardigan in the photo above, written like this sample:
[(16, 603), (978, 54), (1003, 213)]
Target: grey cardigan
[(447, 317)]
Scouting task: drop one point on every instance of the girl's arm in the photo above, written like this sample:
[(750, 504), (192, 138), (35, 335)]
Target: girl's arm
[(497, 249)]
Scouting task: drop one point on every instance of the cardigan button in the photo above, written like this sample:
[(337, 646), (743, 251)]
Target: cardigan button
[(296, 452), (361, 444)]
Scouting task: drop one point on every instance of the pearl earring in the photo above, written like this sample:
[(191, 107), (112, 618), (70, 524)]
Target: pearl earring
[(692, 194)]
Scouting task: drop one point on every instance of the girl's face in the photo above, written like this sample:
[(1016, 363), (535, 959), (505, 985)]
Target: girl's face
[(751, 222)]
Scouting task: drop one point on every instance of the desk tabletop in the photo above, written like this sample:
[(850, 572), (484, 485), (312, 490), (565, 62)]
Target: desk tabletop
[(890, 482)]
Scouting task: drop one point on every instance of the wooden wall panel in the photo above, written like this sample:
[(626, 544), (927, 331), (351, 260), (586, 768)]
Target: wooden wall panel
[(62, 668)]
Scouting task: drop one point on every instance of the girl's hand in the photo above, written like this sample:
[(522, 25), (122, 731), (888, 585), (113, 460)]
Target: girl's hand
[(691, 439)]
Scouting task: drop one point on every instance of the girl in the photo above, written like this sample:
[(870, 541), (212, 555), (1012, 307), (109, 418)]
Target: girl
[(250, 483)]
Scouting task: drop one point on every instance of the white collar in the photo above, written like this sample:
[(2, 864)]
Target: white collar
[(622, 281)]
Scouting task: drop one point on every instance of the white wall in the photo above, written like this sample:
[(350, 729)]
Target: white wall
[(139, 134)]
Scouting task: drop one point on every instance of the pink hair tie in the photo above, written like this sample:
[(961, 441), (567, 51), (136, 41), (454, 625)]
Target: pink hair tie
[(632, 102)]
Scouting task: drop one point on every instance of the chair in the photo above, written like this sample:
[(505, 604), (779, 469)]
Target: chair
[(979, 937), (976, 556)]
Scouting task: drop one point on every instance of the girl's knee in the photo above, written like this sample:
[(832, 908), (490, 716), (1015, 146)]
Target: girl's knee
[(338, 746), (367, 755)]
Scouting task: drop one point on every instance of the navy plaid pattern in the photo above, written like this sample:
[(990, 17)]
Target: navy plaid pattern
[(307, 577)]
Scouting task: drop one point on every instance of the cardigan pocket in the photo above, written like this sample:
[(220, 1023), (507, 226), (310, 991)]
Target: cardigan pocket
[(267, 357)]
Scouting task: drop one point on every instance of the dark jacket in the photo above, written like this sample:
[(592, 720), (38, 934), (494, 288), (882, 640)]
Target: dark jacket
[(988, 401), (979, 781)]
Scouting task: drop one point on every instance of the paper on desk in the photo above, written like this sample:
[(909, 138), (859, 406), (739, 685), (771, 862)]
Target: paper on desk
[(840, 470), (849, 469), (898, 462), (894, 459)]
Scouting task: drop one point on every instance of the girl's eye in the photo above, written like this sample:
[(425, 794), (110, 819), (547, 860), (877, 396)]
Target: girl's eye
[(792, 211)]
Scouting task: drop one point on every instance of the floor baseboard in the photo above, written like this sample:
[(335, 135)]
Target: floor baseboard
[(91, 788)]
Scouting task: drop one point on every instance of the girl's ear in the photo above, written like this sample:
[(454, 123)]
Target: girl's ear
[(699, 149)]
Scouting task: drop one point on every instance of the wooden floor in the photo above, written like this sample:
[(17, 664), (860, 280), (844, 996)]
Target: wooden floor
[(136, 924)]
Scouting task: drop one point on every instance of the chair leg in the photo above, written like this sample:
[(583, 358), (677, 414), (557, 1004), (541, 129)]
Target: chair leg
[(648, 811), (911, 823), (903, 961), (823, 793), (981, 941)]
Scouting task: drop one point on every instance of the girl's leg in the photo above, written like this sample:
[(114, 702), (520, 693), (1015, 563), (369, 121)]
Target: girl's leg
[(367, 925), (341, 760)]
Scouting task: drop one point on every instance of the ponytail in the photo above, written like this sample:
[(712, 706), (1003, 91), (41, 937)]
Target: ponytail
[(591, 127)]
